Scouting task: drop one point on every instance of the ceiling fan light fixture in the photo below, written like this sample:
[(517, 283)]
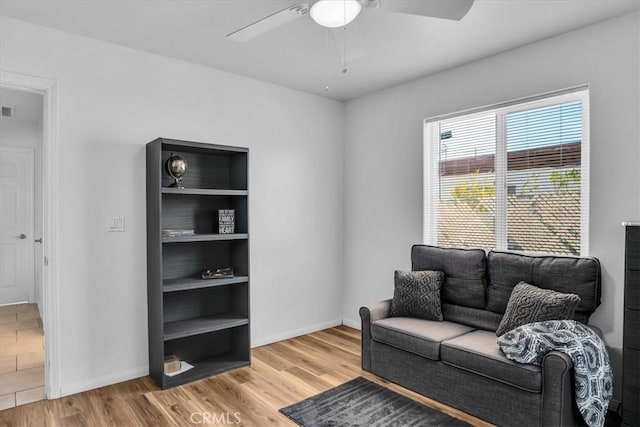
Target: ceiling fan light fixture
[(335, 13)]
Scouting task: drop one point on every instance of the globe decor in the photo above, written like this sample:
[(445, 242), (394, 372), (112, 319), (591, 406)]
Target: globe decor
[(176, 168)]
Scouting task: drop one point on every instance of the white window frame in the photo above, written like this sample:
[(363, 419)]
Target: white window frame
[(431, 137)]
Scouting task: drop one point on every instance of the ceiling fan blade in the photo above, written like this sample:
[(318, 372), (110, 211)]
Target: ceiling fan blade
[(446, 9), (269, 23), (349, 39)]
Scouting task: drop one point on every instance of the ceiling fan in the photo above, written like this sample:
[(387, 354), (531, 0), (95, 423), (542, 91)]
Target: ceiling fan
[(340, 13)]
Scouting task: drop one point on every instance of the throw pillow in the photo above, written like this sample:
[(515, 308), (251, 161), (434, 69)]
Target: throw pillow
[(417, 294), (529, 304)]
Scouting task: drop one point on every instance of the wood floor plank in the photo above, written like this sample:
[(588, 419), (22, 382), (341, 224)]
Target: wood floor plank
[(8, 364), (28, 315), (13, 326), (285, 350), (281, 374), (340, 333), (33, 414), (30, 345), (318, 345), (17, 308), (336, 378), (347, 330), (28, 396), (7, 401), (148, 413), (77, 420), (10, 337), (315, 383), (114, 409), (21, 380), (247, 402), (345, 343), (272, 390), (274, 359), (8, 318), (29, 360), (288, 387), (7, 309)]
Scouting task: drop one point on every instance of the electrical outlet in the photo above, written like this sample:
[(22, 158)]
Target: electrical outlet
[(115, 223)]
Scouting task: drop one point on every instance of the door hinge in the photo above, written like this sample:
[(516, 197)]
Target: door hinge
[(46, 261)]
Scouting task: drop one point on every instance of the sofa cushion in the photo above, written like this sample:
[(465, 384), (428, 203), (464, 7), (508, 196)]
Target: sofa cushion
[(580, 276), (479, 353), (530, 304), (476, 317), (417, 336), (464, 269), (417, 294)]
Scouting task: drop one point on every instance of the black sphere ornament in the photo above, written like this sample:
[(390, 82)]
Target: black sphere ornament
[(176, 168)]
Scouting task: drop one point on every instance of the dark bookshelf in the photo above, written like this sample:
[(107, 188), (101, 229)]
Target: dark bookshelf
[(204, 322)]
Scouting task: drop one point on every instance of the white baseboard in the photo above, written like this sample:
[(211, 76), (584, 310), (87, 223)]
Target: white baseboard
[(355, 324), (104, 381), (295, 333), (143, 371)]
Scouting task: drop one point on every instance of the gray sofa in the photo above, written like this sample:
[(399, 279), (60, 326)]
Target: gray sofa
[(457, 361)]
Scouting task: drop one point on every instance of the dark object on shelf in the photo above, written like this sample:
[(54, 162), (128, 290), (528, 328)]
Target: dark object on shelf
[(177, 233), (176, 168), (171, 364), (226, 221), (219, 273), (631, 328), (204, 322)]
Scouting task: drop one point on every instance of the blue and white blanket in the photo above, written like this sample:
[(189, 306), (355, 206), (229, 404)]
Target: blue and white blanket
[(592, 371)]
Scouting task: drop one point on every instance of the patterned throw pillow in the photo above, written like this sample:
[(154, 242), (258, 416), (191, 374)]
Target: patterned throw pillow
[(417, 294), (529, 304)]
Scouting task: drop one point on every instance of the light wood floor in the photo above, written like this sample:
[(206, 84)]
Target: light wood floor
[(21, 355), (280, 374)]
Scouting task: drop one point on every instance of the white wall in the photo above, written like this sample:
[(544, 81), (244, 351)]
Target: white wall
[(25, 130), (113, 100), (383, 154)]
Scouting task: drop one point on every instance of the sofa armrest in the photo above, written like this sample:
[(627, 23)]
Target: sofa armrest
[(597, 330), (557, 391), (368, 315)]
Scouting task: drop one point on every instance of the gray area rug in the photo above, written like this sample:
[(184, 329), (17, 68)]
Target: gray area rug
[(361, 402)]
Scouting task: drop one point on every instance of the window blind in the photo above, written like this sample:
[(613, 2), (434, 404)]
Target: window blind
[(513, 178), (466, 181), (543, 179)]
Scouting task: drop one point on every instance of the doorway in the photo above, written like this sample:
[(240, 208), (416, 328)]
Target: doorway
[(22, 349), (50, 302)]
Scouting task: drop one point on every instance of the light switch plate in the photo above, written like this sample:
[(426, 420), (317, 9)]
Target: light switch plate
[(115, 223)]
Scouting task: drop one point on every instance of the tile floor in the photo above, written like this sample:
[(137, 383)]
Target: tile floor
[(21, 355)]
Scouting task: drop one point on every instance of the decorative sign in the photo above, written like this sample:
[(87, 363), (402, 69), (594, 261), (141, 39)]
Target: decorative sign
[(226, 221)]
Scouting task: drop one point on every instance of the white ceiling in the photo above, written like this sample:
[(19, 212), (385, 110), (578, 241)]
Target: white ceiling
[(397, 47)]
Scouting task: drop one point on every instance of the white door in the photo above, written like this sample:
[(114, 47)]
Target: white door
[(17, 278)]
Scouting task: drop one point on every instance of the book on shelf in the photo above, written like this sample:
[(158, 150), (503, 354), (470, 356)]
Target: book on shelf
[(226, 221), (172, 232)]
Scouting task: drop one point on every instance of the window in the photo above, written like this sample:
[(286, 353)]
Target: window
[(510, 177)]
